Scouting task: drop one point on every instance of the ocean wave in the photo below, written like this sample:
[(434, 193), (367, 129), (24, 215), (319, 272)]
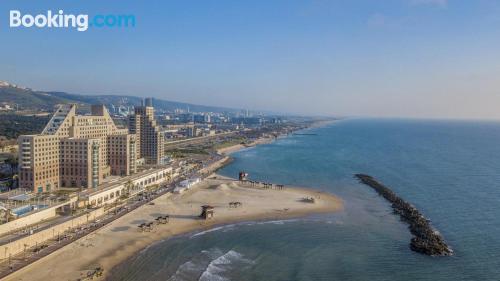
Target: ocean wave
[(336, 222), (277, 222), (286, 142), (194, 267), (229, 227), (185, 270), (145, 249), (224, 227), (212, 253), (221, 264)]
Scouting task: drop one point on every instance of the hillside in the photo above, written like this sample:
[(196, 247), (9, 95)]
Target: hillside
[(28, 99), (13, 125)]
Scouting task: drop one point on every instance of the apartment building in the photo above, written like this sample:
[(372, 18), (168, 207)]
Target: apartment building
[(149, 137), (76, 151)]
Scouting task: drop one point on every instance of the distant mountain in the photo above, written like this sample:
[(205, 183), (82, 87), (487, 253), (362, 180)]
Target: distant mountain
[(28, 99), (25, 98)]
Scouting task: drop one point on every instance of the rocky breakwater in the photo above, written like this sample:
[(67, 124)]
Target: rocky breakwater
[(426, 239)]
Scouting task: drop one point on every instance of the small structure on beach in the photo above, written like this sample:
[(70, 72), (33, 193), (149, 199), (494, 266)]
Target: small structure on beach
[(97, 272), (308, 200), (162, 219), (242, 176), (235, 204), (207, 212), (147, 226), (189, 182), (186, 185)]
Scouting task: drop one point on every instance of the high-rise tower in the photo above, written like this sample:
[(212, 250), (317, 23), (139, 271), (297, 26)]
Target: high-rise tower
[(150, 139)]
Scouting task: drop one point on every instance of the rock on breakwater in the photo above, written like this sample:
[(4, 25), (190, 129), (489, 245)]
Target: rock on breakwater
[(426, 239)]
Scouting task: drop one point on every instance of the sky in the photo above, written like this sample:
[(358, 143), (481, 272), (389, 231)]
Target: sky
[(381, 58)]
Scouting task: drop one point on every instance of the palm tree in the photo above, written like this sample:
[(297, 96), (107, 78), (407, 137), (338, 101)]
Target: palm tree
[(128, 186), (6, 215), (12, 161)]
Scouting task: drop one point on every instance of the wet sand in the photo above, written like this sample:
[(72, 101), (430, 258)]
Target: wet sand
[(119, 240)]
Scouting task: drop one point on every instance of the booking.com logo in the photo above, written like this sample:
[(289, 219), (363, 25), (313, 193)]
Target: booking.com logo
[(81, 22)]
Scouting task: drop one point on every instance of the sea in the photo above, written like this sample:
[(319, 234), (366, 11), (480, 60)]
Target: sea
[(450, 170)]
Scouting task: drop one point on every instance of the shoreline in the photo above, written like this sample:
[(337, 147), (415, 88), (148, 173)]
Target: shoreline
[(237, 147), (266, 140), (128, 250), (120, 240)]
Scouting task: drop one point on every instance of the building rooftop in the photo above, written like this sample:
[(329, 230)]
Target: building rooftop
[(121, 180)]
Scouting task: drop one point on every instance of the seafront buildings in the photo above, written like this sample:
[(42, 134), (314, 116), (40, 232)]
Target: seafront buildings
[(107, 166), (90, 155), (82, 169), (150, 139), (80, 151)]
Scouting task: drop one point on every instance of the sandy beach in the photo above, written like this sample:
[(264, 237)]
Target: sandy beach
[(234, 148), (264, 140), (120, 239)]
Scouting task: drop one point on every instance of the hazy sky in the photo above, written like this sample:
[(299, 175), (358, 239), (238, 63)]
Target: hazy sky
[(410, 58)]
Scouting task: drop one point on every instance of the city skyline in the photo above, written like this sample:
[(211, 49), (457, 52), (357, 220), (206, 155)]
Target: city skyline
[(249, 140), (406, 58)]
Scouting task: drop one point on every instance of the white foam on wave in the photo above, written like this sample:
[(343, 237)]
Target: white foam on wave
[(224, 228), (151, 246), (334, 221), (193, 268), (212, 253), (221, 264), (229, 227), (277, 222), (184, 271)]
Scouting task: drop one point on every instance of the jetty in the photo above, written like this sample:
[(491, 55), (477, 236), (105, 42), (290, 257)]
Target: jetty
[(426, 239)]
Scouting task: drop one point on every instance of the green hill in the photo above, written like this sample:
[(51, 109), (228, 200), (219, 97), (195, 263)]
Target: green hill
[(28, 99)]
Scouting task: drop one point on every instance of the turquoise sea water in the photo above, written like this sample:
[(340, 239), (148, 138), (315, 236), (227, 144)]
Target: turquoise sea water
[(450, 170)]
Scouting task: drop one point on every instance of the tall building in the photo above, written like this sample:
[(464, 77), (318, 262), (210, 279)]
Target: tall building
[(150, 139), (75, 151), (148, 102), (199, 118)]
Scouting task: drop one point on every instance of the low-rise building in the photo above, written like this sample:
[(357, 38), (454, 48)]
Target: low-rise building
[(110, 192)]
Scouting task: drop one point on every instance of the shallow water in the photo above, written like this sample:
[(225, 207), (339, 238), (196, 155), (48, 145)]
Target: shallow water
[(449, 170)]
